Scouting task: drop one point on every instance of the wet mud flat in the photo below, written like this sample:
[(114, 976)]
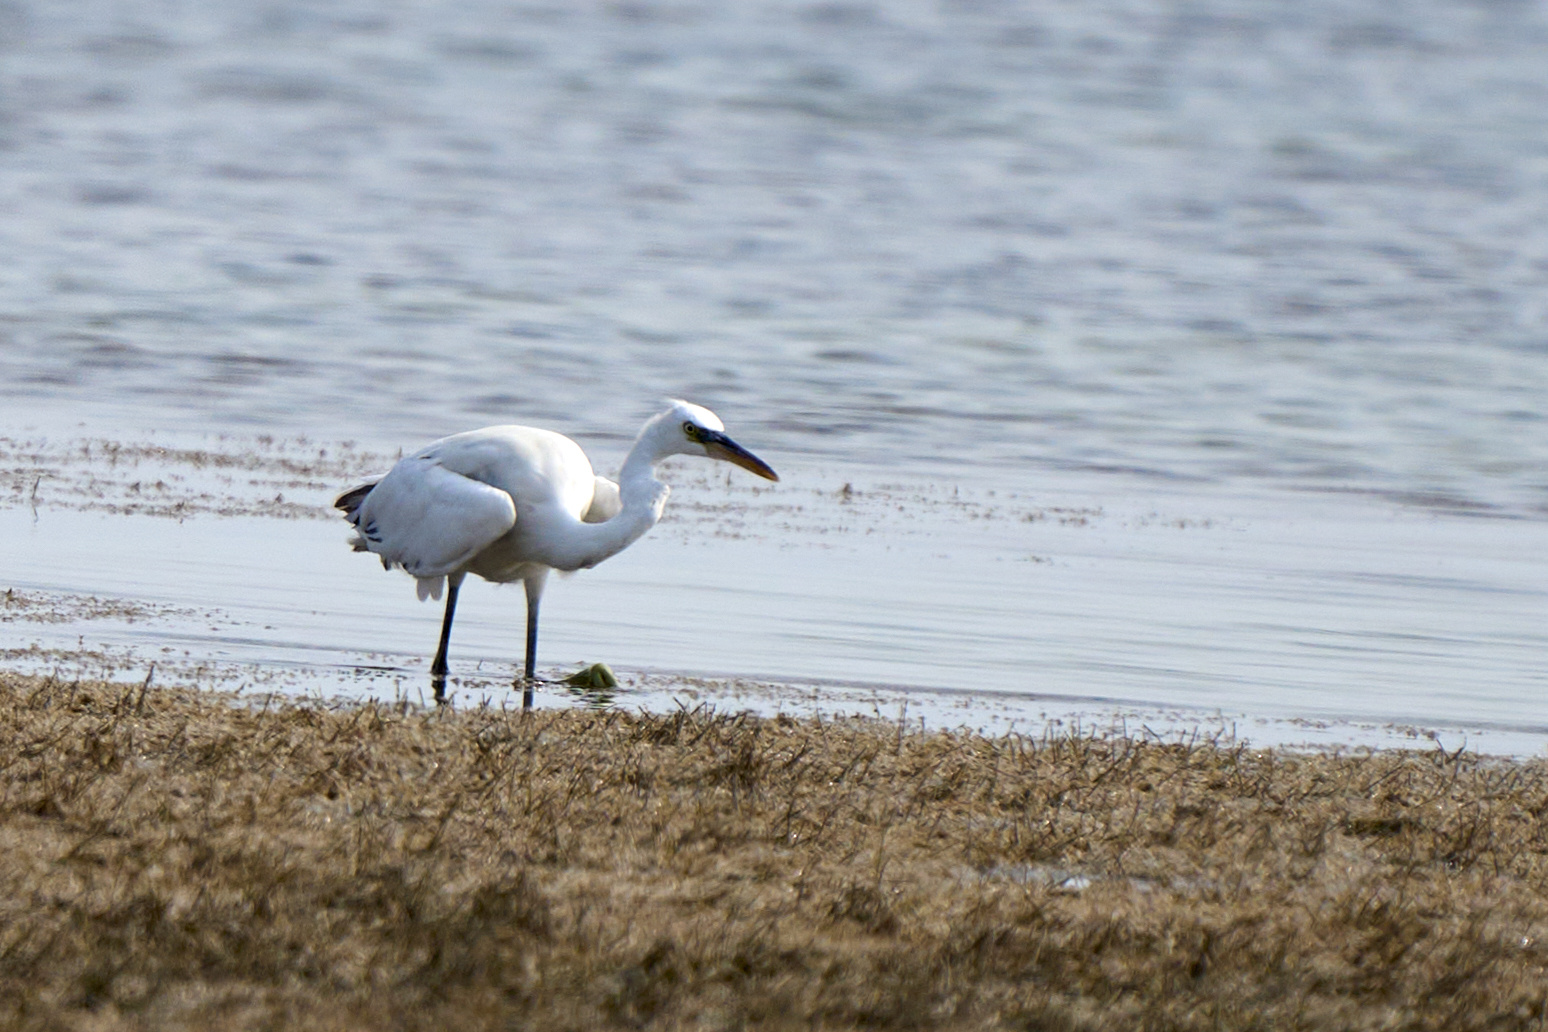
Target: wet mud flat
[(175, 858)]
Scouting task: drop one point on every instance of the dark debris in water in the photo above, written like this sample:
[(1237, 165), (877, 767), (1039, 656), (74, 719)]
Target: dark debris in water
[(58, 607), (261, 476)]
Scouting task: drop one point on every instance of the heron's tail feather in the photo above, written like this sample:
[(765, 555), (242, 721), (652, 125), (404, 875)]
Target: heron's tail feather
[(429, 587)]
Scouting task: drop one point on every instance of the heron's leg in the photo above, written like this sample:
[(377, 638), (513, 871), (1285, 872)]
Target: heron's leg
[(438, 668), (534, 596)]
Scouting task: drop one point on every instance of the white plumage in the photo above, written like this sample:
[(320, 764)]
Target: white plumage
[(431, 519), (510, 503)]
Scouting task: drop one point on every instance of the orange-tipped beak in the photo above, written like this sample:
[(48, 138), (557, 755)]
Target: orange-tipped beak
[(719, 446)]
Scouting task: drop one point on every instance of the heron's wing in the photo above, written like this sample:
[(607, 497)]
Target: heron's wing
[(605, 502), (430, 521)]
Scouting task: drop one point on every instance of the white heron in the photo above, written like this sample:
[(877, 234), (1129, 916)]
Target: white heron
[(511, 503)]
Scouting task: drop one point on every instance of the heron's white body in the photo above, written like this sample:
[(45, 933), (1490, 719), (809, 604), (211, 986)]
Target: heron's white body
[(510, 503), (505, 503)]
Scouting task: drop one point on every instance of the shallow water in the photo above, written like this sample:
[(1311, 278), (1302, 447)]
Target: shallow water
[(998, 612), (1275, 274), (1236, 242)]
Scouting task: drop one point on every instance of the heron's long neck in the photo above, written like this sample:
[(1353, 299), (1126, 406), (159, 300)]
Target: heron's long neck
[(642, 497)]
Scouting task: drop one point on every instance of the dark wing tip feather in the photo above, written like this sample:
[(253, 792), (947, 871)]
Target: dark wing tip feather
[(350, 500)]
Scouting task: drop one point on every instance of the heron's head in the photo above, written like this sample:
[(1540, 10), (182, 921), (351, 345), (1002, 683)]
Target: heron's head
[(694, 430)]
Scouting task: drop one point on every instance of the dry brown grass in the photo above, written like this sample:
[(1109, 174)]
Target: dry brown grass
[(173, 860)]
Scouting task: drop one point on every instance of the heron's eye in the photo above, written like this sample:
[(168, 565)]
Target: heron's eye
[(691, 431)]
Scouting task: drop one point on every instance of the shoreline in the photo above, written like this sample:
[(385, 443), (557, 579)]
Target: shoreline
[(178, 858), (403, 680)]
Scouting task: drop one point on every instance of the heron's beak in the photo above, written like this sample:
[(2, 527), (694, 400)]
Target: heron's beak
[(719, 446)]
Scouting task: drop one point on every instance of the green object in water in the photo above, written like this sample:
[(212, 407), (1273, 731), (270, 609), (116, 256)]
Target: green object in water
[(597, 675)]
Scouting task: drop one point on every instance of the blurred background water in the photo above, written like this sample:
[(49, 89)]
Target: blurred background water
[(1299, 243), (1210, 247)]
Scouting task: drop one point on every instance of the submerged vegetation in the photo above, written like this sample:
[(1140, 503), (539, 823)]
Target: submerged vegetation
[(177, 859)]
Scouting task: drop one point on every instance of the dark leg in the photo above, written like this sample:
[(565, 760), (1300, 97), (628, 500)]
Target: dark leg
[(534, 596), (438, 668), (532, 617)]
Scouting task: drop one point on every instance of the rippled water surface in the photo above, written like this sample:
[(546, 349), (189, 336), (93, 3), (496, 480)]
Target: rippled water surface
[(1213, 260)]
